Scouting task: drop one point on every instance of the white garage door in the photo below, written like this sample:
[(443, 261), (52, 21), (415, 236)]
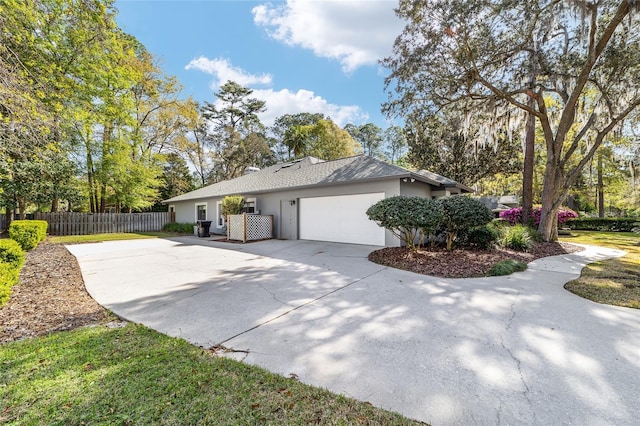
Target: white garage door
[(341, 219)]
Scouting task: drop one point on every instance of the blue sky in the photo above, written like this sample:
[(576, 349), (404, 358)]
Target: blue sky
[(298, 56)]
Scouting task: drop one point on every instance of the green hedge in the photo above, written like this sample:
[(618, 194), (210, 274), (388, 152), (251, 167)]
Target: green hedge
[(8, 278), (28, 233), (603, 224), (11, 260), (182, 228), (11, 253)]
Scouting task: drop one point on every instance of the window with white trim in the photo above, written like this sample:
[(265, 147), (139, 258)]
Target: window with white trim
[(250, 205), (201, 211), (219, 215)]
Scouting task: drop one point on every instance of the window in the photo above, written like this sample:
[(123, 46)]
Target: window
[(219, 216), (250, 205), (201, 211), (172, 209)]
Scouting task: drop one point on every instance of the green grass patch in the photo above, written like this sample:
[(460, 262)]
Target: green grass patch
[(613, 281), (98, 238), (506, 267), (134, 375)]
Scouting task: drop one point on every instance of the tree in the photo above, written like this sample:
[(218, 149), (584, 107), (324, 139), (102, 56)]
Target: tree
[(296, 139), (235, 133), (286, 129), (369, 136), (192, 142), (232, 204), (394, 143), (235, 110), (574, 66), (436, 144), (327, 141)]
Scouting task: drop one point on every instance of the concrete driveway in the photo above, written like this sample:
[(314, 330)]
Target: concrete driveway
[(503, 350)]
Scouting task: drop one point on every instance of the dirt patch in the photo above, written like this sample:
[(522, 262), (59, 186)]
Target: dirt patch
[(49, 297), (462, 263)]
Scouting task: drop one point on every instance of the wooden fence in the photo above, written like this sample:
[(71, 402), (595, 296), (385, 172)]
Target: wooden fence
[(65, 223)]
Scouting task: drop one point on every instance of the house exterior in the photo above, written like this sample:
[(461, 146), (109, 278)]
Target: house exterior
[(313, 199), (500, 204)]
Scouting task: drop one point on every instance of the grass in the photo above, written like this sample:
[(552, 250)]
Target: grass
[(134, 375), (613, 281), (98, 238), (506, 267)]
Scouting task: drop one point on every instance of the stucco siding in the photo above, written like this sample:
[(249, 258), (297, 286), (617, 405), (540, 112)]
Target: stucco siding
[(415, 189), (269, 203)]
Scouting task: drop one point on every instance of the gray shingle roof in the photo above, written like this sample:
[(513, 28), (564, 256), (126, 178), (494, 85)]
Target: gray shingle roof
[(310, 171)]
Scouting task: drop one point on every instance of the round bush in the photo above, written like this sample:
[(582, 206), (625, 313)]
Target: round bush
[(11, 253), (408, 218), (461, 214), (507, 267), (481, 237), (28, 233), (8, 278)]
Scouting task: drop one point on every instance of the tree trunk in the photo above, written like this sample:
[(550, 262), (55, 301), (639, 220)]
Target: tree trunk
[(551, 199), (21, 208), (54, 204), (527, 174), (93, 205), (103, 200), (600, 188)]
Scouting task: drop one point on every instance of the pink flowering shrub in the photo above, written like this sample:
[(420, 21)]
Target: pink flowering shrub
[(514, 215)]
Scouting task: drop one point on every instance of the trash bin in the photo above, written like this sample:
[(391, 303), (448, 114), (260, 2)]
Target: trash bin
[(203, 228)]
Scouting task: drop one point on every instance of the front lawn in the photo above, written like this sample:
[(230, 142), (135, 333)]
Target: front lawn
[(134, 375), (613, 281), (128, 375), (98, 238)]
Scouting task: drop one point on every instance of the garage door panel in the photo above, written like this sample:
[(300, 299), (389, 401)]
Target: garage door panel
[(340, 219)]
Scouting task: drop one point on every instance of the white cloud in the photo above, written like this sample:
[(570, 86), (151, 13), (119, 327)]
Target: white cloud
[(354, 32), (223, 71), (279, 102), (287, 102)]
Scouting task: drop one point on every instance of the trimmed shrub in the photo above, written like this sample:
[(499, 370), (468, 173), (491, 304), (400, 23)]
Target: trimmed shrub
[(181, 228), (625, 224), (514, 215), (28, 233), (8, 278), (461, 214), (516, 237), (232, 204), (506, 267), (11, 260), (11, 253), (480, 237), (408, 218)]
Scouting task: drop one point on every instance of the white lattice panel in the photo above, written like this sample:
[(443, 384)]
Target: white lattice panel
[(259, 227), (235, 227), (249, 227)]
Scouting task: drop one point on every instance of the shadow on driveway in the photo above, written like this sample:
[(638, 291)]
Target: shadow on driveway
[(500, 350)]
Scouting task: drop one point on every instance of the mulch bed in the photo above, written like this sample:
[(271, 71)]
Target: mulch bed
[(49, 297), (462, 263)]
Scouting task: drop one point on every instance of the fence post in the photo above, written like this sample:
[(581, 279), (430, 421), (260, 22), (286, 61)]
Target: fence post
[(244, 227)]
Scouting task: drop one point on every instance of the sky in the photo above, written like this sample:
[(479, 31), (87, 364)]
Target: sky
[(297, 55)]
